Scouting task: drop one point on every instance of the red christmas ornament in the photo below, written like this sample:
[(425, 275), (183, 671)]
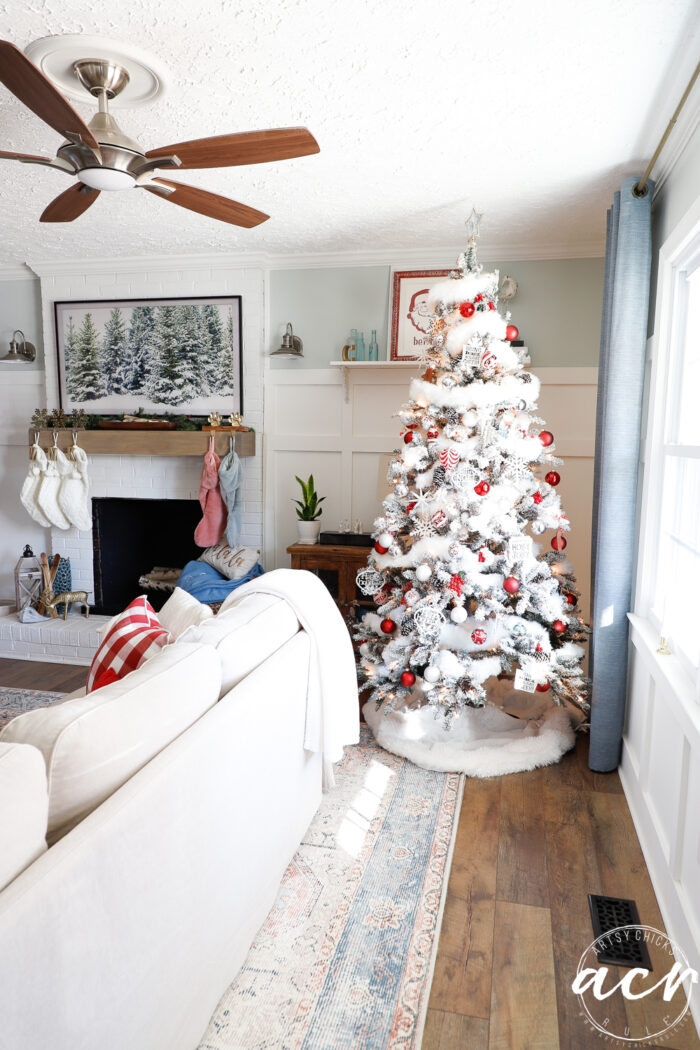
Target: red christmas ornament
[(379, 549), (558, 627), (546, 437), (408, 437), (571, 599), (466, 309), (432, 434), (537, 498), (511, 584), (558, 543), (388, 626), (482, 489), (479, 636), (408, 679), (413, 426), (552, 478), (410, 506), (511, 333), (542, 687)]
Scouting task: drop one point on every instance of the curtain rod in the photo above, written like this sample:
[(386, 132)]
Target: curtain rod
[(641, 189)]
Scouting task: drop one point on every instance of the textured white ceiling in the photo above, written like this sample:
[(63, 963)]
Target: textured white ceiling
[(531, 111)]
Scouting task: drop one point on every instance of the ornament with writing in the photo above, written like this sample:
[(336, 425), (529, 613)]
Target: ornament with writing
[(524, 681), (471, 356), (519, 548)]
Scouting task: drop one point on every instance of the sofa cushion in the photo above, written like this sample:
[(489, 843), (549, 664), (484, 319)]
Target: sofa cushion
[(245, 635), (132, 637), (181, 611), (24, 809), (92, 745), (232, 562)]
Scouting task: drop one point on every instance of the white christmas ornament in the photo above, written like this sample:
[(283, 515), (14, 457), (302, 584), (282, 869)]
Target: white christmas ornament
[(458, 614), (431, 673), (385, 539), (423, 573)]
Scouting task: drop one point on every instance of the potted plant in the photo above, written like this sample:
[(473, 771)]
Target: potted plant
[(308, 512)]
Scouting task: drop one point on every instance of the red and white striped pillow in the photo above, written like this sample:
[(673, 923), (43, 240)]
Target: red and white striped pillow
[(133, 636)]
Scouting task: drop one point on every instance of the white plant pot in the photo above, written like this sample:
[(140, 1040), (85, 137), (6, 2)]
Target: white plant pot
[(308, 531)]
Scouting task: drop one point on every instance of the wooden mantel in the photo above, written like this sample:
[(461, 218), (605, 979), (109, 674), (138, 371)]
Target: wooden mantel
[(147, 442)]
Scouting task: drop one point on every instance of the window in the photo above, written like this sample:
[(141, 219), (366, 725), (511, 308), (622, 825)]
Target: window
[(671, 518)]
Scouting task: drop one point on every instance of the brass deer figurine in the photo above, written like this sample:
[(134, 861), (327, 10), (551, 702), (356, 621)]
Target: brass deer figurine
[(49, 601)]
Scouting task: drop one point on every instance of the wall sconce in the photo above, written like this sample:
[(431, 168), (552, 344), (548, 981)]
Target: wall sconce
[(292, 345), (23, 351)]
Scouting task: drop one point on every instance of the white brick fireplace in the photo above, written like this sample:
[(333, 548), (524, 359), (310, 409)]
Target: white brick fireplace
[(158, 477), (141, 477)]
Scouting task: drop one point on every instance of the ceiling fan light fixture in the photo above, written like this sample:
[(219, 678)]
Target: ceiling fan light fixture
[(106, 179)]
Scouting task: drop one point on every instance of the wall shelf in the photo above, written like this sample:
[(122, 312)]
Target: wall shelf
[(347, 365), (147, 442)]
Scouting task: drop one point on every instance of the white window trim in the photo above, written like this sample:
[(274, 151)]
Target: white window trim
[(675, 254)]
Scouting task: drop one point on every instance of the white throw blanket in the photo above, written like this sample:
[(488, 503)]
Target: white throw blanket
[(332, 707)]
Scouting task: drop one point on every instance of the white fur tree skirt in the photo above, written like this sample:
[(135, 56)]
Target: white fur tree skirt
[(482, 742)]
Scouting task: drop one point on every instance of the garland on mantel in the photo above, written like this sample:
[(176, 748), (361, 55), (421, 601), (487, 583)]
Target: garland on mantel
[(57, 419)]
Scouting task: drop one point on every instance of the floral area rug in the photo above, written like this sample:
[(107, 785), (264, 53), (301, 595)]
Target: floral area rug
[(344, 960), (15, 702)]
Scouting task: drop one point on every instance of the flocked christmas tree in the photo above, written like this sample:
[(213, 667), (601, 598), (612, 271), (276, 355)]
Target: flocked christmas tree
[(464, 595)]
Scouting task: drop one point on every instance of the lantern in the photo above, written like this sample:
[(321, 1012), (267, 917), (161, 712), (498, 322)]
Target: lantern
[(28, 579)]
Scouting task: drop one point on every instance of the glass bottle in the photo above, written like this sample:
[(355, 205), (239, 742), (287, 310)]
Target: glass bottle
[(373, 350), (360, 347)]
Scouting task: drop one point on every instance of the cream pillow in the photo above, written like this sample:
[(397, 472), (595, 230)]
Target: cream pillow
[(232, 562), (245, 636), (24, 809), (182, 611), (91, 746)]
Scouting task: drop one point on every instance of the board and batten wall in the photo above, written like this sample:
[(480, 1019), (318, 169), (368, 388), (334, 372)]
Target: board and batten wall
[(660, 767), (313, 428)]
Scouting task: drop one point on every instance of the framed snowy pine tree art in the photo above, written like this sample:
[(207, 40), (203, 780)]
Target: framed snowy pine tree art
[(160, 355)]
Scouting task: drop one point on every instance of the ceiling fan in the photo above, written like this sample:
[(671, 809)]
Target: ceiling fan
[(104, 158)]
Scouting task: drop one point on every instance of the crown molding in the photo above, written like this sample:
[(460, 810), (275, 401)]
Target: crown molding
[(439, 257), (153, 263), (16, 272)]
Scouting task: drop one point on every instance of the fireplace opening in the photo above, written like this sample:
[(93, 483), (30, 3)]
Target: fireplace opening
[(131, 537)]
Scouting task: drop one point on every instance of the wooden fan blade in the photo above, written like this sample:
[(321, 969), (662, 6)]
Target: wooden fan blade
[(70, 204), (249, 147), (25, 158), (36, 92), (210, 204)]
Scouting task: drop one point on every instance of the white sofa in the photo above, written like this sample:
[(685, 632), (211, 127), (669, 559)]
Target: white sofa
[(124, 934)]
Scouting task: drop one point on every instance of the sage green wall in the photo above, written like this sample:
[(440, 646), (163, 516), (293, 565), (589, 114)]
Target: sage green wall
[(557, 309), (20, 307)]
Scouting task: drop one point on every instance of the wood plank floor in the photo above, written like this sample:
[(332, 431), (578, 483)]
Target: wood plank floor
[(529, 849)]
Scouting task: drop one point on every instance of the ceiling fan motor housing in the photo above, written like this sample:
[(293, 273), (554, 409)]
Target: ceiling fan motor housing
[(120, 157)]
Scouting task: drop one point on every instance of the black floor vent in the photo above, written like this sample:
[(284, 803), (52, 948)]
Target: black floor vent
[(608, 913)]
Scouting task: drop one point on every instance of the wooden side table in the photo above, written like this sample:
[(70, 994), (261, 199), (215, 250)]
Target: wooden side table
[(336, 566)]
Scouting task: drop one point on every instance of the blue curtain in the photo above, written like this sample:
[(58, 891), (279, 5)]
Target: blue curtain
[(619, 414)]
